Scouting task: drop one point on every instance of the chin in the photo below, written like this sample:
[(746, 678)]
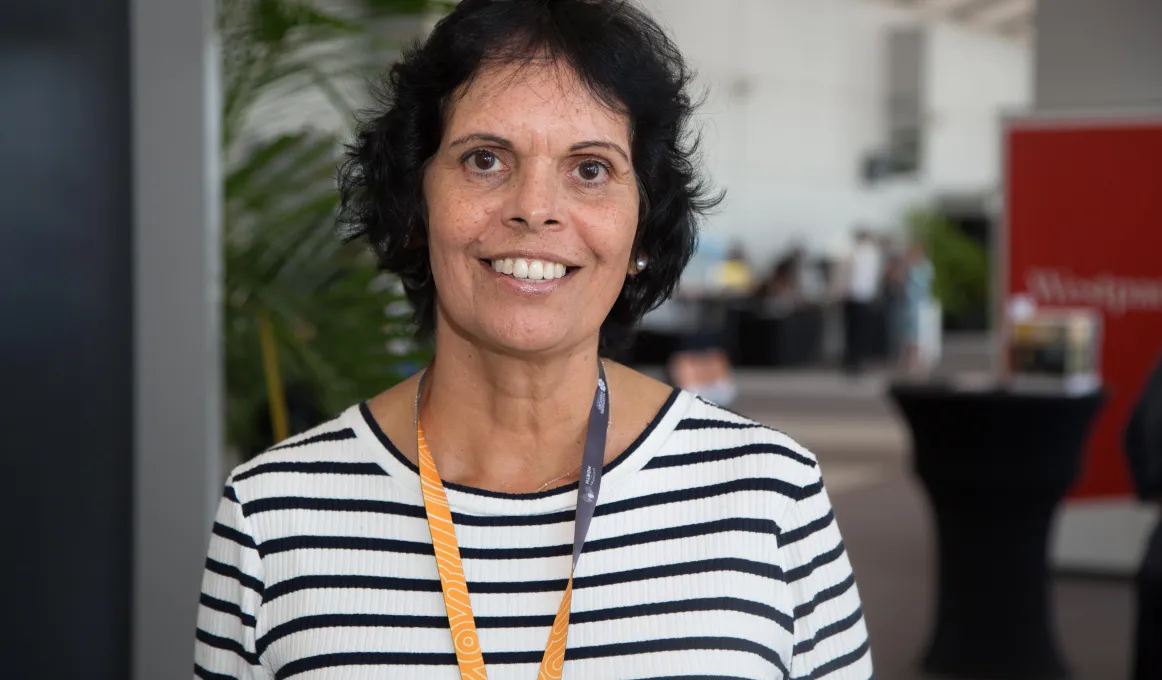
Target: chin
[(522, 329), (530, 339)]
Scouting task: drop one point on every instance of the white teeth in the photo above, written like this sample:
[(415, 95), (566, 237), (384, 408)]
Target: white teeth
[(532, 270), (520, 268)]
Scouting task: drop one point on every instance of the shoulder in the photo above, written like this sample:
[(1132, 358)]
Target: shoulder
[(715, 433), (329, 447), (705, 433)]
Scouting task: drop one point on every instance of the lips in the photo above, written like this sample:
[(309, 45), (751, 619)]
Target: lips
[(526, 269)]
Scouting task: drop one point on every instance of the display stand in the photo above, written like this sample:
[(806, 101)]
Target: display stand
[(995, 465)]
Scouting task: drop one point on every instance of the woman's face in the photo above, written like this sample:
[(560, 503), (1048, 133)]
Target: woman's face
[(532, 211)]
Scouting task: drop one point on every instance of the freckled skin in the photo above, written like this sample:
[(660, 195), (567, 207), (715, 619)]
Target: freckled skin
[(540, 194)]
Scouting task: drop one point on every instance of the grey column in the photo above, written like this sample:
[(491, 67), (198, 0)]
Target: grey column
[(178, 384)]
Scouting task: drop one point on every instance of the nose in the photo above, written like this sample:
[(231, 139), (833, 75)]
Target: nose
[(533, 201)]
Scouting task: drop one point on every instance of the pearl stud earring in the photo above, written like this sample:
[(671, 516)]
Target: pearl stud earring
[(641, 263)]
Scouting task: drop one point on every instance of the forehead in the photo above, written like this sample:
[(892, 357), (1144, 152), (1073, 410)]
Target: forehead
[(536, 102)]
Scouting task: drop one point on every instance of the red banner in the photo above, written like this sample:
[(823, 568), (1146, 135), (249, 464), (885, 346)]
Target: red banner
[(1083, 228)]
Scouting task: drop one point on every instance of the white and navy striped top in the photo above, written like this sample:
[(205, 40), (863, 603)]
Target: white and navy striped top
[(713, 554)]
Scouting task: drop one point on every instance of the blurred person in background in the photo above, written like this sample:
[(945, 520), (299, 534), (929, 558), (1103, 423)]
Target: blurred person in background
[(529, 176), (780, 291), (811, 275), (705, 373), (734, 273), (892, 287), (916, 293), (1143, 445), (863, 274)]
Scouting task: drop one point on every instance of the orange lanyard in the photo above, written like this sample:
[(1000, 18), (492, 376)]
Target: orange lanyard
[(447, 550)]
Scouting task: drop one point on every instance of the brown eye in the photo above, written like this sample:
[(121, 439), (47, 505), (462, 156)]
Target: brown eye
[(590, 170), (484, 160)]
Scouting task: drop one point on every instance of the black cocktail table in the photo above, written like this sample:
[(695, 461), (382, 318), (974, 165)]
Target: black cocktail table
[(995, 465)]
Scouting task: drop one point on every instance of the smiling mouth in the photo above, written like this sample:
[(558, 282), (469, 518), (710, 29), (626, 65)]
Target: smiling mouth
[(524, 269)]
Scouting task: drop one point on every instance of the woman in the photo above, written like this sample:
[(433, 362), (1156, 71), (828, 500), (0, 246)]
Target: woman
[(528, 178), (917, 292)]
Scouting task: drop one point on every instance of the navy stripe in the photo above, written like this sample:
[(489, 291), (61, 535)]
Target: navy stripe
[(705, 604), (210, 675), (711, 491), (566, 516), (312, 468), (804, 570), (233, 535), (227, 608), (830, 630), (302, 623), (233, 572), (293, 585), (229, 493), (709, 604), (740, 416), (336, 436), (391, 545), (723, 564), (300, 666), (809, 529), (677, 644), (710, 424), (740, 524), (334, 505), (226, 644), (715, 455), (837, 663), (726, 564), (825, 595), (314, 663)]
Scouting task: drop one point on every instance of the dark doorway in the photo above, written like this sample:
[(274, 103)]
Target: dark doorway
[(66, 424)]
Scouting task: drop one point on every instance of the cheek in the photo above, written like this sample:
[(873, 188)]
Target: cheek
[(455, 221), (613, 228)]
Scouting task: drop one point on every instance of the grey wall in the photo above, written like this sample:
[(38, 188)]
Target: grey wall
[(178, 440), (1094, 55), (66, 437)]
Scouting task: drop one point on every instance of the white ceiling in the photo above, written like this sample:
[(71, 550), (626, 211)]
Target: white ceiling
[(1012, 18)]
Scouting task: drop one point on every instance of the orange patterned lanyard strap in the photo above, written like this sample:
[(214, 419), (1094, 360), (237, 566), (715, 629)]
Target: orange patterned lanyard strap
[(447, 550)]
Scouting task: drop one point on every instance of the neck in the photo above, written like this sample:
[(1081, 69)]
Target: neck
[(504, 422)]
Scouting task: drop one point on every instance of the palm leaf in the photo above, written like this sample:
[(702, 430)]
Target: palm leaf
[(960, 265), (341, 329)]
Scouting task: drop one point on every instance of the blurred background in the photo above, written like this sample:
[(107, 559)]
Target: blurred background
[(915, 189)]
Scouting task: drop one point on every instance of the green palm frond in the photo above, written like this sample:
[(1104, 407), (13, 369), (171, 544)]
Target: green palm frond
[(341, 329), (960, 265)]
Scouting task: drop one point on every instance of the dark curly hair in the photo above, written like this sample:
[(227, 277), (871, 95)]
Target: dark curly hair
[(625, 60)]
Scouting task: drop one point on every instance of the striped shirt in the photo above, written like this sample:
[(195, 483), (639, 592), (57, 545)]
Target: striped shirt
[(713, 553)]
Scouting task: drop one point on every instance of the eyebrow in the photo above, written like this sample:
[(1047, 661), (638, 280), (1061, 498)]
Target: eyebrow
[(507, 144), (601, 145), (482, 137)]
